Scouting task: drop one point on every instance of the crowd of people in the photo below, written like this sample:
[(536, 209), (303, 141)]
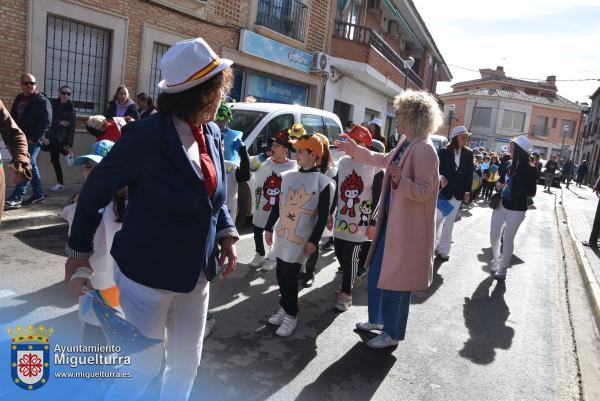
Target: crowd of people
[(48, 124), (391, 206)]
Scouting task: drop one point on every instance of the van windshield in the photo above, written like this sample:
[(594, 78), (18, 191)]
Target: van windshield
[(245, 120)]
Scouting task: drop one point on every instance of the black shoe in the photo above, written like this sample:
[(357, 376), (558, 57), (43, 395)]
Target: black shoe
[(34, 200), (590, 244), (308, 282)]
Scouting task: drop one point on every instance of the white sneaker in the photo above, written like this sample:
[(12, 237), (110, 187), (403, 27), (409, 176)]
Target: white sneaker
[(257, 261), (287, 326), (210, 324), (382, 341), (268, 265), (500, 273), (368, 326), (495, 265), (56, 188), (277, 318), (343, 303)]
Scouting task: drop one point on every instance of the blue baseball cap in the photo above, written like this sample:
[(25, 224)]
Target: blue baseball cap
[(97, 152)]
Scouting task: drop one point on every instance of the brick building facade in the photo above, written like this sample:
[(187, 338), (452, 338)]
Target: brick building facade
[(96, 45)]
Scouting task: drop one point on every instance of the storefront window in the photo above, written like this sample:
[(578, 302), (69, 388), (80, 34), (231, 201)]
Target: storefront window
[(267, 89), (236, 92)]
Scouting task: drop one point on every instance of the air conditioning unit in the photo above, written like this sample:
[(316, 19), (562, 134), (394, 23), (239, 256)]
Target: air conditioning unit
[(320, 62)]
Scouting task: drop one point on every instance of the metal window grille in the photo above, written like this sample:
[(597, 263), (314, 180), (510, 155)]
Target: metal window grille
[(158, 49), (77, 55), (284, 16)]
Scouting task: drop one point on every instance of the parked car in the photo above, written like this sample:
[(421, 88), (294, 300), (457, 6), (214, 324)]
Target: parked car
[(261, 121), (439, 141), (555, 180)]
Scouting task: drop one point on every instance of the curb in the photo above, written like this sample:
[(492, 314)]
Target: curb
[(592, 287)]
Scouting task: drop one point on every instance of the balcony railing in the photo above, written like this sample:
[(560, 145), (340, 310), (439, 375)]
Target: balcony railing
[(287, 17), (367, 36), (541, 130)]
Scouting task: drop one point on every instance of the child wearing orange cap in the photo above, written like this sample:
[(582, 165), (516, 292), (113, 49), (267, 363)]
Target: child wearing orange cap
[(356, 195), (301, 216)]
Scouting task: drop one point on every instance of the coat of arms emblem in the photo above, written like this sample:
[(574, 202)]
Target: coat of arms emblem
[(30, 356)]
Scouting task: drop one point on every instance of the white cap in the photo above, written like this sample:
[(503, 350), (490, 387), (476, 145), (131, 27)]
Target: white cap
[(189, 63), (460, 130), (377, 122), (523, 143)]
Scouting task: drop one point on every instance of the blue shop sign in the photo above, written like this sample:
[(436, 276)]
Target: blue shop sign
[(267, 89), (268, 49)]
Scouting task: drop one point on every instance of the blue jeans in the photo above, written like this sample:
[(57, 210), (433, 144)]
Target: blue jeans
[(389, 308), (36, 179)]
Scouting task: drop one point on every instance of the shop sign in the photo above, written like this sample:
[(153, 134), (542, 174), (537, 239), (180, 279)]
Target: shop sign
[(271, 50), (273, 90)]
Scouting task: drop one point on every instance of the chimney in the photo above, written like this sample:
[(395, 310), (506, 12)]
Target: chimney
[(551, 80), (489, 73)]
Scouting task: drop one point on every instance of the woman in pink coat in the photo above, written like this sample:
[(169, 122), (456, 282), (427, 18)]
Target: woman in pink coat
[(401, 259)]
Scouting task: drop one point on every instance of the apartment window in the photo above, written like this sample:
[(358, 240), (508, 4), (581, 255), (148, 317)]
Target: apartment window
[(158, 50), (482, 117), (570, 128), (369, 115), (513, 120), (77, 55), (287, 17), (554, 122), (541, 126)]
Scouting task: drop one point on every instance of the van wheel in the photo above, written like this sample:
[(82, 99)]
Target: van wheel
[(244, 200)]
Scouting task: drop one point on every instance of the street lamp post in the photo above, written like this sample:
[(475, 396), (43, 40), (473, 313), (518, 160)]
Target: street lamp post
[(451, 108), (408, 63)]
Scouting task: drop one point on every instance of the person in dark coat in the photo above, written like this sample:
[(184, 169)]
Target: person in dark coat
[(16, 142), (122, 105), (456, 177), (145, 105), (32, 112), (175, 221), (62, 132), (593, 241), (516, 186), (582, 171)]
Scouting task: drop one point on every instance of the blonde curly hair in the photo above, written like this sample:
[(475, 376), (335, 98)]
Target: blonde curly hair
[(419, 111)]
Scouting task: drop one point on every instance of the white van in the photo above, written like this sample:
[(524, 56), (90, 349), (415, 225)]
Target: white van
[(261, 121)]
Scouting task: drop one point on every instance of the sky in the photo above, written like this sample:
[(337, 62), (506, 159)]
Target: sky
[(529, 38)]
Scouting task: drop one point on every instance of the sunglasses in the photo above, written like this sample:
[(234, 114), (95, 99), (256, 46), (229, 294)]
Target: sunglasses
[(65, 93), (27, 83)]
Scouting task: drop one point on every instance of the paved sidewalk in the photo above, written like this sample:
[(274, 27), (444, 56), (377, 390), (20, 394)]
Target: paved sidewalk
[(45, 213), (579, 205)]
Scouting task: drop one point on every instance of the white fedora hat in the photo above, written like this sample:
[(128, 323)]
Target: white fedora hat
[(523, 143), (377, 122), (189, 63), (460, 130)]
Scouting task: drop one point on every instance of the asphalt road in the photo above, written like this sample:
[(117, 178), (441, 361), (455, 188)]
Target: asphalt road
[(469, 337)]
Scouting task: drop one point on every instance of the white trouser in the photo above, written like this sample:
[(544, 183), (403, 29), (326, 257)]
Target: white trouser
[(509, 220), (178, 319), (444, 226)]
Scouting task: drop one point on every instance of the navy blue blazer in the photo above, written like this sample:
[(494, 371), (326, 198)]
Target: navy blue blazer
[(171, 224)]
